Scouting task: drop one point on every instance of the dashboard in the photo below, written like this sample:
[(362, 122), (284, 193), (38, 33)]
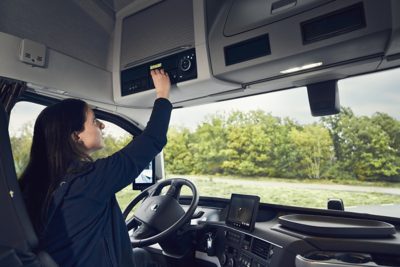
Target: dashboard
[(291, 236)]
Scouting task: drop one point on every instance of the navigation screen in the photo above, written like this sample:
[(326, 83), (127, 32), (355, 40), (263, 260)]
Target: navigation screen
[(243, 211)]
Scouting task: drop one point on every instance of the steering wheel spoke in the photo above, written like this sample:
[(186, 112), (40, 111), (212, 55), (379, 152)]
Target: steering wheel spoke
[(156, 191), (175, 189), (141, 231), (133, 223)]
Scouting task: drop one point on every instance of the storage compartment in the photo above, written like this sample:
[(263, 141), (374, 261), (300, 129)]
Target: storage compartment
[(336, 226), (330, 33), (334, 259), (345, 259), (247, 15), (146, 37)]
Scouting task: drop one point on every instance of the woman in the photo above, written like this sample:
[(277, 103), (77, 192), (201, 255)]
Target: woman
[(70, 198)]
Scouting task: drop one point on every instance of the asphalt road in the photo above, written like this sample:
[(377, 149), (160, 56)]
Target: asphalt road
[(336, 187)]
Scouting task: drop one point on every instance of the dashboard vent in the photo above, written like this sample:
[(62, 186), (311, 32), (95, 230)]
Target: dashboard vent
[(260, 248)]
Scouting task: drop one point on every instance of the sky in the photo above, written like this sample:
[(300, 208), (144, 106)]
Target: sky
[(364, 94)]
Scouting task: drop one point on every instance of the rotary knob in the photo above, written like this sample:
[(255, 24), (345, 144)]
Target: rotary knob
[(185, 64)]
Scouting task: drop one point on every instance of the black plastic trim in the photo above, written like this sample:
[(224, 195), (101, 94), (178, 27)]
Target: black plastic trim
[(333, 24), (246, 50)]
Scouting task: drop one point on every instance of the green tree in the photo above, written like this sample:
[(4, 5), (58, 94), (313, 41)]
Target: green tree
[(391, 127), (335, 126), (249, 143), (178, 156), (314, 146), (111, 145), (368, 147), (363, 146), (209, 143), (21, 147), (284, 156)]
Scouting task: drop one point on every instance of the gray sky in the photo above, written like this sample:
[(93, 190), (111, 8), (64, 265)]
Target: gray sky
[(364, 94)]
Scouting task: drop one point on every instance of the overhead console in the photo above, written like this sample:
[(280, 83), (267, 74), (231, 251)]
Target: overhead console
[(168, 34), (152, 36), (268, 40), (218, 50), (155, 32)]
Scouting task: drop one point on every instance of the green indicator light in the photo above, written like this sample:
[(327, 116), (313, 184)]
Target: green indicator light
[(155, 66)]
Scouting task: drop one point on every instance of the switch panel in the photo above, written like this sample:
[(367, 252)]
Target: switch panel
[(33, 53)]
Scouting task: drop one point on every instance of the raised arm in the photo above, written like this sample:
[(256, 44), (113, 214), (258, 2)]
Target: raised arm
[(119, 170)]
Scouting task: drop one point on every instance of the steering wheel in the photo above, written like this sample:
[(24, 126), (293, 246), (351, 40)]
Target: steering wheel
[(158, 215)]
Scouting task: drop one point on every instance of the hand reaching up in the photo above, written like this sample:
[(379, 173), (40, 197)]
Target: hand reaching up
[(161, 82)]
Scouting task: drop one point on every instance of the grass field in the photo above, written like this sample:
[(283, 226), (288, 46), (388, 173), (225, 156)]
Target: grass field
[(278, 191)]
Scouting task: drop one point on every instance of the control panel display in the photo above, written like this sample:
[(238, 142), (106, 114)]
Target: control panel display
[(180, 67), (243, 211)]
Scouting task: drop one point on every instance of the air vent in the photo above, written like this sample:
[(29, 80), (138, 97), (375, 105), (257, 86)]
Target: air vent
[(246, 50), (260, 248), (333, 24), (233, 237)]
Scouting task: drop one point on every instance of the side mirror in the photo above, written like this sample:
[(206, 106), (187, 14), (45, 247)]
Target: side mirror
[(335, 204)]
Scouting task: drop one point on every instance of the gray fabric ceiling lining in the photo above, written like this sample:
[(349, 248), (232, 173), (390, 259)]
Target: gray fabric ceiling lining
[(85, 37)]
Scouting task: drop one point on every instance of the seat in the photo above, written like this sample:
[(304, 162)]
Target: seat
[(18, 240)]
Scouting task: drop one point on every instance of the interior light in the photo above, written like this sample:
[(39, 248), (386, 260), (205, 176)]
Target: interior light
[(57, 91), (44, 89), (304, 67)]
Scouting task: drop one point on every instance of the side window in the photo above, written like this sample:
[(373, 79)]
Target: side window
[(22, 120)]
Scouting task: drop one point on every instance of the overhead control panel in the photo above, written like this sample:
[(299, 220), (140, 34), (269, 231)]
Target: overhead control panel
[(180, 67)]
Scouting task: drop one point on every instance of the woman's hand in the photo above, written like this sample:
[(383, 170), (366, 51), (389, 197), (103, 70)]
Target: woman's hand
[(161, 82)]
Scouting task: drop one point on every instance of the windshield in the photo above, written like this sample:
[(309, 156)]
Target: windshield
[(269, 145)]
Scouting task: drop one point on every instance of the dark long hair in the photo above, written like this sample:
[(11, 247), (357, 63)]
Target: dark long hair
[(52, 152)]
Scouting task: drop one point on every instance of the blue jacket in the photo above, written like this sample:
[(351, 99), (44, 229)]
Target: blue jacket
[(85, 226)]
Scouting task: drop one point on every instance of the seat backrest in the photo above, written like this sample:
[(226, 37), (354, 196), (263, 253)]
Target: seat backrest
[(18, 240)]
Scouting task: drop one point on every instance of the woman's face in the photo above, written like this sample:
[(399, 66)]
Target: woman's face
[(91, 137)]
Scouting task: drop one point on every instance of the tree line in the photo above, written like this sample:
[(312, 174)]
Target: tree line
[(255, 143)]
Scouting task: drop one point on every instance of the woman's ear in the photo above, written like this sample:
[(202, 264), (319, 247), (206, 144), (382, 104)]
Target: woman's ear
[(75, 137)]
